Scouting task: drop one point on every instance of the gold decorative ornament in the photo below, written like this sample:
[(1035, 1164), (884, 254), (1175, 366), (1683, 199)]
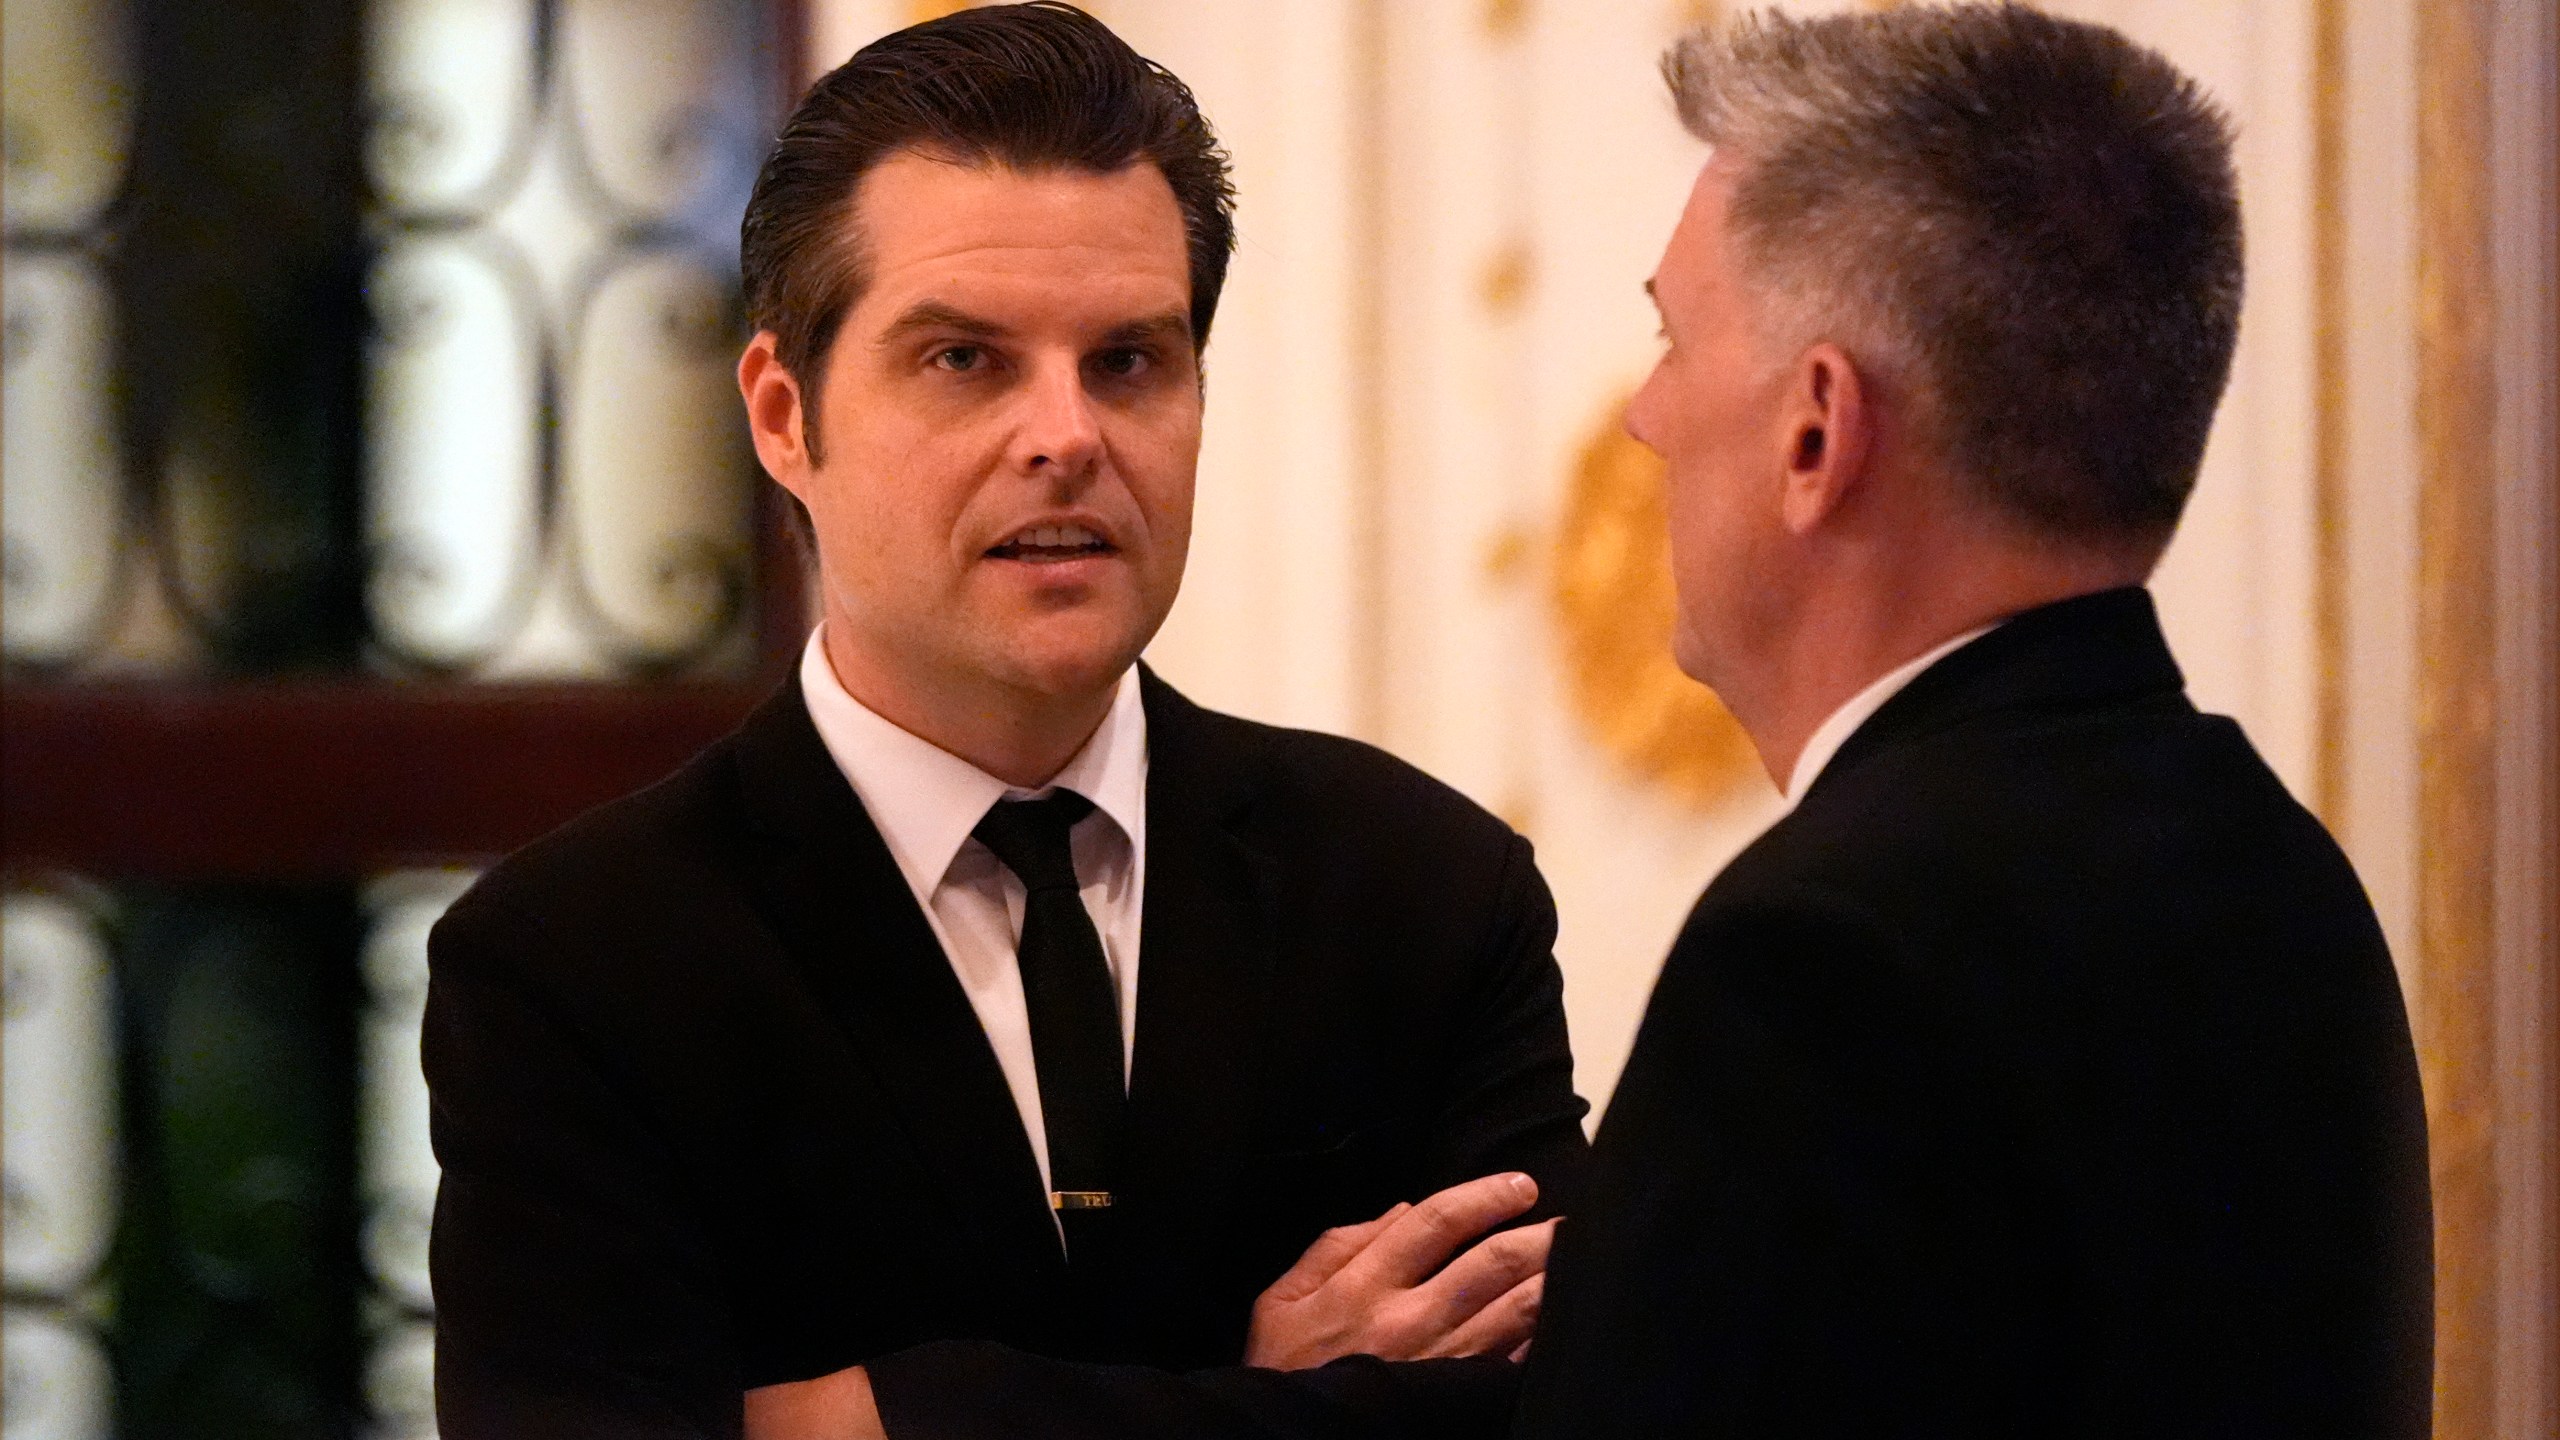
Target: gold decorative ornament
[(1614, 609)]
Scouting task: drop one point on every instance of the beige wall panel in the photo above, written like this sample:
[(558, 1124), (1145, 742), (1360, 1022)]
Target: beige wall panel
[(1266, 625), (2376, 811), (837, 28), (1456, 475)]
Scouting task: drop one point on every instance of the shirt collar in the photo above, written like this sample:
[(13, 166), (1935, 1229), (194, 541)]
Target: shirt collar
[(925, 800), (1834, 732)]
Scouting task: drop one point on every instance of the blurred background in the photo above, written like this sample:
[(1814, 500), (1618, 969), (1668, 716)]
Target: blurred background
[(376, 499)]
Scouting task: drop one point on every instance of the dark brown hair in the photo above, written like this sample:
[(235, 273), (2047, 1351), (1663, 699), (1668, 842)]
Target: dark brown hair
[(2035, 220), (1030, 87)]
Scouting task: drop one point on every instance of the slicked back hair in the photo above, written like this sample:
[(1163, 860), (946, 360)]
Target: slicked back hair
[(2031, 223), (1034, 87)]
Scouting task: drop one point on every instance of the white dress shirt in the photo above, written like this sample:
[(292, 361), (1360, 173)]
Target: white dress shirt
[(1834, 732), (925, 801)]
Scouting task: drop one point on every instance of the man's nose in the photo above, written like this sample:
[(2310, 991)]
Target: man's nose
[(1059, 434)]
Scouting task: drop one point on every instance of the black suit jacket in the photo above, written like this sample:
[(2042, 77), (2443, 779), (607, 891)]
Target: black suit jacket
[(714, 1112), (2043, 1074)]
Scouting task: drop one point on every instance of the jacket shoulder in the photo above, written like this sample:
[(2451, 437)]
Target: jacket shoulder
[(2059, 851), (1333, 780), (2037, 792), (626, 858)]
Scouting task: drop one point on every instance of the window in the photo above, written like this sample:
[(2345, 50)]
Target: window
[(376, 498)]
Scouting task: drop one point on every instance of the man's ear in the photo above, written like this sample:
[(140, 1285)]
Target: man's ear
[(1829, 428), (775, 418)]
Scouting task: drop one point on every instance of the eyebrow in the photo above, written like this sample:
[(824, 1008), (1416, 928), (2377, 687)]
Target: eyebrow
[(1649, 295), (935, 315), (1167, 325)]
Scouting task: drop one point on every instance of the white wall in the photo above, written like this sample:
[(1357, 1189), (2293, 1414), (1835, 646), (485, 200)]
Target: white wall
[(1269, 623)]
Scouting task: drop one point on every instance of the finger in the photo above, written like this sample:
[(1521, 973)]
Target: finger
[(1499, 1328), (1485, 1274), (1427, 1235), (839, 1406), (1333, 1249)]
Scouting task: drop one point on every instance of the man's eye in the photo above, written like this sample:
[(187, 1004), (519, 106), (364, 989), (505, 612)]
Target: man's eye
[(1122, 363), (959, 359)]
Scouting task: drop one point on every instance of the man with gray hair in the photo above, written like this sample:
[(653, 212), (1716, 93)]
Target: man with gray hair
[(2044, 1071)]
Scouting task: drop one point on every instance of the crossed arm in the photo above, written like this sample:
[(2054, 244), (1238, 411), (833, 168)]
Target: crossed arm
[(574, 1299), (1386, 1288)]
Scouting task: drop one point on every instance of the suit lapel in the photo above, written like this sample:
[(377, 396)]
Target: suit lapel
[(1205, 953), (853, 926)]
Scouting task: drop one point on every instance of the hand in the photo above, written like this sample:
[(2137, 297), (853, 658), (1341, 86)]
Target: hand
[(831, 1407), (1362, 1289)]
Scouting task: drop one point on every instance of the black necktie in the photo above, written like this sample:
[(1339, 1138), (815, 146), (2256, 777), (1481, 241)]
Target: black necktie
[(1074, 1007)]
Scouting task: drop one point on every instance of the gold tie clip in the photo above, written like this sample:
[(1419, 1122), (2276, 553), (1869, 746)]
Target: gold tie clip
[(1079, 1199)]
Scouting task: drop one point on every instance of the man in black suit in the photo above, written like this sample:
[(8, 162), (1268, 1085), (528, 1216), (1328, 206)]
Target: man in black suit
[(2043, 1071), (981, 1012)]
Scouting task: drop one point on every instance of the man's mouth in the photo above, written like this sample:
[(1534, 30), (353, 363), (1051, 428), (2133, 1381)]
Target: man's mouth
[(1049, 544)]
